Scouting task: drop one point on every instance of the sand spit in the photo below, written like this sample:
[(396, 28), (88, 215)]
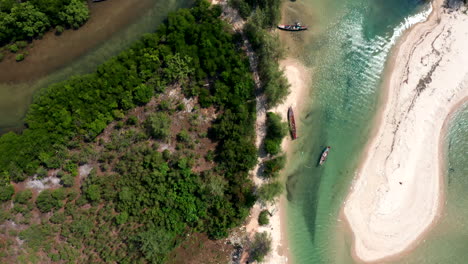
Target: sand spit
[(398, 192)]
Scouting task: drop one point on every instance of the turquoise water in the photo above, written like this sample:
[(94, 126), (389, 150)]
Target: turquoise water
[(347, 49)]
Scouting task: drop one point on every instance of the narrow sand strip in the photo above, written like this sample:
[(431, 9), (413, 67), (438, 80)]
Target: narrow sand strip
[(299, 78), (398, 193)]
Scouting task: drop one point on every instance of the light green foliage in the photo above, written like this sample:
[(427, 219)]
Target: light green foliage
[(260, 246), (13, 48), (178, 67), (6, 192), (269, 191), (74, 14), (158, 125), (23, 197), (263, 218), (19, 57)]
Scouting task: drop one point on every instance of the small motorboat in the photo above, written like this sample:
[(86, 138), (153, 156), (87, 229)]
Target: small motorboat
[(324, 155), (295, 27), (292, 123)]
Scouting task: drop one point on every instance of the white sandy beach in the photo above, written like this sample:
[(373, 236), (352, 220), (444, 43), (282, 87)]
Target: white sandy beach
[(398, 192)]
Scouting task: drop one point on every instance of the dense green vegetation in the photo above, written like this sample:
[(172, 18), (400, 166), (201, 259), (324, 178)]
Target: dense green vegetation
[(25, 20), (141, 197), (276, 131), (262, 16)]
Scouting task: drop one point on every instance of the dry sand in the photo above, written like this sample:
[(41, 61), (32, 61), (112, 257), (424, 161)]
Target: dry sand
[(398, 193), (299, 78)]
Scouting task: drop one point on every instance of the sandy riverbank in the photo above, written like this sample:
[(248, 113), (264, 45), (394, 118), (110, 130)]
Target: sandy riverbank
[(398, 192), (299, 78)]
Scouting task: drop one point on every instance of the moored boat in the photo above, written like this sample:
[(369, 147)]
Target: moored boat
[(292, 123), (295, 27), (324, 155)]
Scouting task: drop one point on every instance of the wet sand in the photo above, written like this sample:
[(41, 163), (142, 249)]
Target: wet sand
[(398, 193)]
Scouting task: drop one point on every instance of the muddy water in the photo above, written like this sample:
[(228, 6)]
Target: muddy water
[(113, 26)]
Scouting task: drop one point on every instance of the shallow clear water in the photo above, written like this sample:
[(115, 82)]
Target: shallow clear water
[(347, 49), (15, 98)]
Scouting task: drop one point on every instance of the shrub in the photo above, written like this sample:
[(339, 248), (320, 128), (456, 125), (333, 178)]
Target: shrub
[(6, 192), (59, 30), (67, 180), (183, 136), (13, 48), (243, 8), (269, 191), (158, 125), (273, 166), (263, 218), (19, 57), (22, 44), (276, 131), (132, 120), (23, 197), (260, 246), (1, 56), (45, 202)]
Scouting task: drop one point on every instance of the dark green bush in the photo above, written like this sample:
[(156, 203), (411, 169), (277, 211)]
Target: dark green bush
[(273, 166), (263, 218), (276, 131), (6, 192), (260, 247)]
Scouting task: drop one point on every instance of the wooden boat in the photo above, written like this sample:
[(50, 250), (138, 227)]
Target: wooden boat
[(292, 123), (324, 155), (295, 27)]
